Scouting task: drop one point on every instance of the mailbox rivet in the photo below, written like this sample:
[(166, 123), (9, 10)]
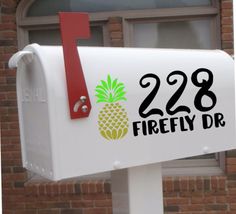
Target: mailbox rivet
[(117, 165), (83, 99), (84, 108), (205, 150)]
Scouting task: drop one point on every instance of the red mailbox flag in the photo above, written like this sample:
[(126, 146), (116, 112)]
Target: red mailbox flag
[(75, 26)]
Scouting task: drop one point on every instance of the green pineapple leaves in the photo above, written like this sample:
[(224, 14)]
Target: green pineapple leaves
[(110, 91)]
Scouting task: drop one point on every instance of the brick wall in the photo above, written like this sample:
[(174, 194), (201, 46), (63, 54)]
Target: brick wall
[(227, 26), (185, 195)]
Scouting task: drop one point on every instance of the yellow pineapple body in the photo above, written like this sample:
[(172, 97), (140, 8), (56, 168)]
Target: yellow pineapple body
[(113, 121)]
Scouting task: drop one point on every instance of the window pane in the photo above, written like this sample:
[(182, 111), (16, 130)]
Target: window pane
[(179, 34), (45, 37), (53, 37), (51, 7)]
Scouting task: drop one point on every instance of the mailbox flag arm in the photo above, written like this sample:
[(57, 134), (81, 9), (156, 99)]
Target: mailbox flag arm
[(75, 26)]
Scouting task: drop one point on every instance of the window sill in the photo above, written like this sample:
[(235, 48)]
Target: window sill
[(194, 167)]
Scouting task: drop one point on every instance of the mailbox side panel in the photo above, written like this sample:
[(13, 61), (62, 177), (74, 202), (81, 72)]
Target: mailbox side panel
[(34, 118), (78, 147), (172, 135)]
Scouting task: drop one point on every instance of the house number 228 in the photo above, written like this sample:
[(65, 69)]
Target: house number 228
[(204, 90)]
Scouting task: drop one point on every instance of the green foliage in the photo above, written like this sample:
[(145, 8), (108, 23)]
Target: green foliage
[(110, 91)]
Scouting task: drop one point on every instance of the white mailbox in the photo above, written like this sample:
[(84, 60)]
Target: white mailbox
[(148, 106)]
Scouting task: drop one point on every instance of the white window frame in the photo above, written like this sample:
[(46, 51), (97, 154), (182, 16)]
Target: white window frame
[(171, 168), (25, 24)]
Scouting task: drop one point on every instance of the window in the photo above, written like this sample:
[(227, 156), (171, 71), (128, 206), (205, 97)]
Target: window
[(193, 34), (37, 22), (52, 37), (48, 8), (151, 23), (186, 27)]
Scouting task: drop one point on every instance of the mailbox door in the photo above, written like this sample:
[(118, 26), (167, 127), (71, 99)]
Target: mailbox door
[(34, 118)]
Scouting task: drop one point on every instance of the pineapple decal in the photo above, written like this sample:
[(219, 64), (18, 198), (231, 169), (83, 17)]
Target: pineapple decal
[(112, 119)]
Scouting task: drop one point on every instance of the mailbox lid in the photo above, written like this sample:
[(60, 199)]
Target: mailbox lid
[(33, 111)]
